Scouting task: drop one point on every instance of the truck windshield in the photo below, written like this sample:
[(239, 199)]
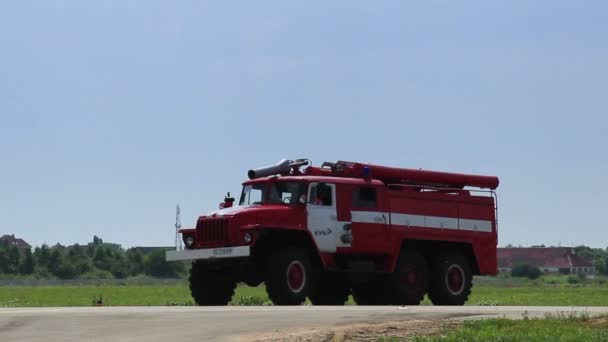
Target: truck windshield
[(275, 192)]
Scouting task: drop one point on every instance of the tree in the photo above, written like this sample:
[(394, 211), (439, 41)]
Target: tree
[(55, 262), (157, 266), (3, 261), (136, 261), (66, 270), (103, 258), (120, 268), (13, 260), (603, 265), (97, 241), (597, 256), (28, 264), (76, 252), (525, 270), (42, 255)]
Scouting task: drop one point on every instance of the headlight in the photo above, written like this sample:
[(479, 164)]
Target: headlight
[(189, 240), (247, 237)]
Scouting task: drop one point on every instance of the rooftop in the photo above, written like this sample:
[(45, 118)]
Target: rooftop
[(11, 240), (560, 257)]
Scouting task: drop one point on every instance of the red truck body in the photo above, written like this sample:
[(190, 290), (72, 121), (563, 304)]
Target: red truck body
[(369, 228)]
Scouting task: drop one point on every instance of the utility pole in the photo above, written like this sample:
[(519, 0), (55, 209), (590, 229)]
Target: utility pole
[(178, 226)]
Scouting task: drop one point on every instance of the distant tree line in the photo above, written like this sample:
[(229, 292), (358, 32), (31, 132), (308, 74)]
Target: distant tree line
[(92, 261), (597, 256), (525, 270)]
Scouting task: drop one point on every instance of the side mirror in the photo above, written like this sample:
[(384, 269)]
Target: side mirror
[(227, 202)]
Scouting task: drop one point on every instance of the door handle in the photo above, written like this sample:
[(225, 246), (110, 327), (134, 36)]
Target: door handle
[(380, 219)]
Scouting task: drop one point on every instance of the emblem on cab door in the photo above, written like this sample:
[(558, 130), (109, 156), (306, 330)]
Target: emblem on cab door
[(325, 232)]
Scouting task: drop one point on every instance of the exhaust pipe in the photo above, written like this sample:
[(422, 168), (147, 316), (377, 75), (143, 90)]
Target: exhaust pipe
[(283, 167)]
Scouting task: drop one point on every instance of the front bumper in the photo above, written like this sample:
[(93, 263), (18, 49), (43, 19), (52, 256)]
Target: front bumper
[(210, 253)]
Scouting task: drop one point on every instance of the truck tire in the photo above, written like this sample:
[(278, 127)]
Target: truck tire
[(210, 287), (373, 293), (410, 281), (288, 276), (451, 280), (328, 289)]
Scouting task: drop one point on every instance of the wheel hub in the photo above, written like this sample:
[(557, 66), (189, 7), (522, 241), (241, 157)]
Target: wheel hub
[(412, 277), (455, 279), (296, 276)]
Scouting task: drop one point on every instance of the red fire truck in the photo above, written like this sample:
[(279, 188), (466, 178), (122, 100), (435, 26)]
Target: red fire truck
[(385, 235)]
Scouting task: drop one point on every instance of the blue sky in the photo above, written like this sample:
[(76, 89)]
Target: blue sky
[(112, 112)]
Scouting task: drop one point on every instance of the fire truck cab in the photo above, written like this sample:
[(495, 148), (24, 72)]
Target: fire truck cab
[(385, 235)]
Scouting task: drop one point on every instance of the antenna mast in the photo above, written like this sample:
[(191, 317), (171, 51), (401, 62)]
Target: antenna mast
[(178, 226)]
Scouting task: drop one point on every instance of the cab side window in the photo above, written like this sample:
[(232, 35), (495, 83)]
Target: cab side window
[(364, 198), (321, 194)]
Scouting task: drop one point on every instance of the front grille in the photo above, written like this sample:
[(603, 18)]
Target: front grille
[(212, 232)]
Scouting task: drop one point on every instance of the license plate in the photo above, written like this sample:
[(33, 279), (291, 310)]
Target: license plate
[(222, 251)]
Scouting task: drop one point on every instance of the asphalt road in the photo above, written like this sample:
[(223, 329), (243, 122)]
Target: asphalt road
[(223, 323)]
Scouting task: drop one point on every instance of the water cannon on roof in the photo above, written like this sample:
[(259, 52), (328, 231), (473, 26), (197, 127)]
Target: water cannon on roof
[(284, 167), (386, 174), (396, 175)]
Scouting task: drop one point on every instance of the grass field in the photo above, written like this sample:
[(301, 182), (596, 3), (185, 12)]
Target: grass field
[(571, 296), (504, 293), (127, 295), (560, 328)]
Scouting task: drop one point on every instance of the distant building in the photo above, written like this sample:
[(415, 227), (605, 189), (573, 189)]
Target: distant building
[(11, 240), (558, 260)]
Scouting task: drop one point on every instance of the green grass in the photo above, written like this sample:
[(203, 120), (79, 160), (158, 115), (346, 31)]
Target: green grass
[(504, 280), (116, 295), (563, 295), (85, 295), (389, 339), (551, 329), (486, 292)]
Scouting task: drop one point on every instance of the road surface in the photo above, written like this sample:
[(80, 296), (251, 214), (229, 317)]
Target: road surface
[(233, 323)]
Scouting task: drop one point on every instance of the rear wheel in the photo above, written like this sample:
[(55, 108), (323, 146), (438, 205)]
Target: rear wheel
[(288, 276), (410, 281), (451, 280), (329, 289), (211, 286)]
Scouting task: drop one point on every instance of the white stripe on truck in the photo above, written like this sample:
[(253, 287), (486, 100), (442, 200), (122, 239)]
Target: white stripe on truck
[(409, 220)]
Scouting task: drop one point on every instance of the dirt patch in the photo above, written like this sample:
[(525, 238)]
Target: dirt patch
[(599, 322), (358, 332)]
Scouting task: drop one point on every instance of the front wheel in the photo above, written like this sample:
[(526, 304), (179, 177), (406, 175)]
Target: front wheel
[(288, 276), (451, 280), (209, 286)]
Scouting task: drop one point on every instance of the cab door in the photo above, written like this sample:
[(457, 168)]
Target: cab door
[(322, 215), (369, 220)]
